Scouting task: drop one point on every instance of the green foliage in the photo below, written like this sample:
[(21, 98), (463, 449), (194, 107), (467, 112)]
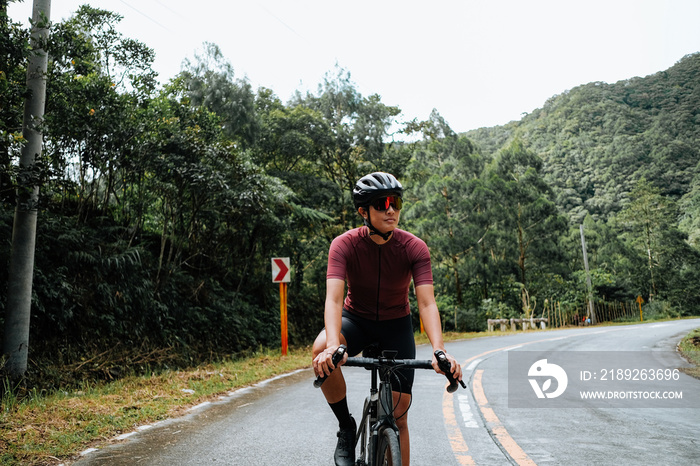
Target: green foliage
[(210, 85), (492, 309), (444, 206), (689, 219), (14, 43), (658, 310)]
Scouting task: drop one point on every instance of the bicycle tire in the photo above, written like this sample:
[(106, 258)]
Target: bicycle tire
[(388, 448)]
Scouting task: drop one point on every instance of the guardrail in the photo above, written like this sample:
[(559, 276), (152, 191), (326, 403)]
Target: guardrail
[(532, 322)]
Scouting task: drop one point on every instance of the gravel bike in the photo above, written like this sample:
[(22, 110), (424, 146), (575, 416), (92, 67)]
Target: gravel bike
[(377, 433)]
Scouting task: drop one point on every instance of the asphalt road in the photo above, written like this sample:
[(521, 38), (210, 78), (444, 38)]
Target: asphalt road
[(285, 421)]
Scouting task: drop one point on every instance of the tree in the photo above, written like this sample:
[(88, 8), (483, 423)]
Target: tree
[(100, 83), (444, 201), (531, 218), (358, 127), (291, 139), (19, 288), (689, 221), (647, 221), (89, 42), (211, 84)]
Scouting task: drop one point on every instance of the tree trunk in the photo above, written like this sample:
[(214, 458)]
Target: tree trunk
[(19, 287)]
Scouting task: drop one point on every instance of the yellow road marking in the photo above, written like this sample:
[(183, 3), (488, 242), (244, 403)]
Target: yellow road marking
[(502, 435)]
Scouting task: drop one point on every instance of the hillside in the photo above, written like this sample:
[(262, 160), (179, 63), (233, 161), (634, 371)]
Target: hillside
[(597, 140)]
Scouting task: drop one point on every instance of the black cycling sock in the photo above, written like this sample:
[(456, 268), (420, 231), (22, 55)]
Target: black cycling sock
[(342, 412)]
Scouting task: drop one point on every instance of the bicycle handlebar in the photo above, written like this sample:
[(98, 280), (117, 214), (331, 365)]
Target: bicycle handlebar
[(387, 362), (440, 355)]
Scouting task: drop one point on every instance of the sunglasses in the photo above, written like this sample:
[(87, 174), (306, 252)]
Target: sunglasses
[(382, 203)]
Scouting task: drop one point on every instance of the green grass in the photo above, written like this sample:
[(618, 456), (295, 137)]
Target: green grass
[(690, 349)]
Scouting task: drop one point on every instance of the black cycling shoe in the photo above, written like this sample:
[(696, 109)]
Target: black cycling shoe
[(345, 449)]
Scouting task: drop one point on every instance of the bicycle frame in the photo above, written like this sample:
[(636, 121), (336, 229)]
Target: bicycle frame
[(377, 413)]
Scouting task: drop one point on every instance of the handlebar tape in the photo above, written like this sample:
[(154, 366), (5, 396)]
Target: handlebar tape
[(445, 367), (337, 357)]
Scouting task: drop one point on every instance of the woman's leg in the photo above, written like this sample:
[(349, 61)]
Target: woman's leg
[(402, 401)]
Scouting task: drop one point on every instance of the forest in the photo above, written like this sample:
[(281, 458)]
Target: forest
[(161, 205)]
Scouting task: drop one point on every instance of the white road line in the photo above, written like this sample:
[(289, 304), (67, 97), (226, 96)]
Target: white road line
[(473, 365), (467, 414)]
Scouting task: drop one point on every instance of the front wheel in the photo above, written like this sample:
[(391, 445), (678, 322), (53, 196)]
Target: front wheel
[(388, 449)]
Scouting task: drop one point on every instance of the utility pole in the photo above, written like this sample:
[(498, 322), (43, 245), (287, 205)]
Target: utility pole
[(591, 309), (19, 286)]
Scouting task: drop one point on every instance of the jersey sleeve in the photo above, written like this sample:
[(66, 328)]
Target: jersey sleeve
[(422, 269), (337, 258)]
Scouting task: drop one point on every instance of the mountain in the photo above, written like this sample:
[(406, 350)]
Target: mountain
[(597, 140)]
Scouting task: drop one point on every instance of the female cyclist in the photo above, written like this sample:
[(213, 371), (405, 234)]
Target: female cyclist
[(378, 262)]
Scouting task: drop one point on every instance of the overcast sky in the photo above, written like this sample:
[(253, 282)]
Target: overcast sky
[(479, 63)]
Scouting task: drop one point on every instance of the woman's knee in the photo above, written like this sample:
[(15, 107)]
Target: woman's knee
[(320, 342), (402, 401)]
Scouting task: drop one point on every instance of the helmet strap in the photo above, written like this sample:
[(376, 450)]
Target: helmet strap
[(374, 231)]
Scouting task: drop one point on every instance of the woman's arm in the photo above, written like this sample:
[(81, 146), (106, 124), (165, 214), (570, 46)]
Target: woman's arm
[(333, 312), (427, 307), (333, 318)]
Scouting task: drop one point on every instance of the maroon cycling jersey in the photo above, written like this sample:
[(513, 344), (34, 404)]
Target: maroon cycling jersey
[(378, 276)]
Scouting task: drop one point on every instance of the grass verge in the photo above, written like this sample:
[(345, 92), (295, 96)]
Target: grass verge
[(689, 347)]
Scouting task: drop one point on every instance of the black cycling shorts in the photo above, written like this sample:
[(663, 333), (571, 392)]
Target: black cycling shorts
[(395, 334)]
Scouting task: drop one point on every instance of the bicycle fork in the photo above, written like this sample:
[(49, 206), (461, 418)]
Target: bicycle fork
[(375, 415)]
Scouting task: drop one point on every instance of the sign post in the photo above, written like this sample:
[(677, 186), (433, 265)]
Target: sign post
[(280, 274), (283, 316), (640, 300)]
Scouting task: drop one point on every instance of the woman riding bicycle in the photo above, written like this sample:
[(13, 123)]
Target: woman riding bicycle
[(378, 260)]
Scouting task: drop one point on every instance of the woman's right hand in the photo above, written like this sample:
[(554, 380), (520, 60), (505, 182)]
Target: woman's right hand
[(323, 362)]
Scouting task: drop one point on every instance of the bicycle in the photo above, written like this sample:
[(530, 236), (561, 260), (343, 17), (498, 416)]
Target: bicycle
[(377, 432)]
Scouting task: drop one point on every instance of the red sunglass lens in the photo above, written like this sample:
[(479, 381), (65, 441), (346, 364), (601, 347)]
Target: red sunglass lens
[(383, 203)]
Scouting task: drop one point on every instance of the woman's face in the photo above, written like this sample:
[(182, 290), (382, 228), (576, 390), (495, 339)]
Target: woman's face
[(384, 220)]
